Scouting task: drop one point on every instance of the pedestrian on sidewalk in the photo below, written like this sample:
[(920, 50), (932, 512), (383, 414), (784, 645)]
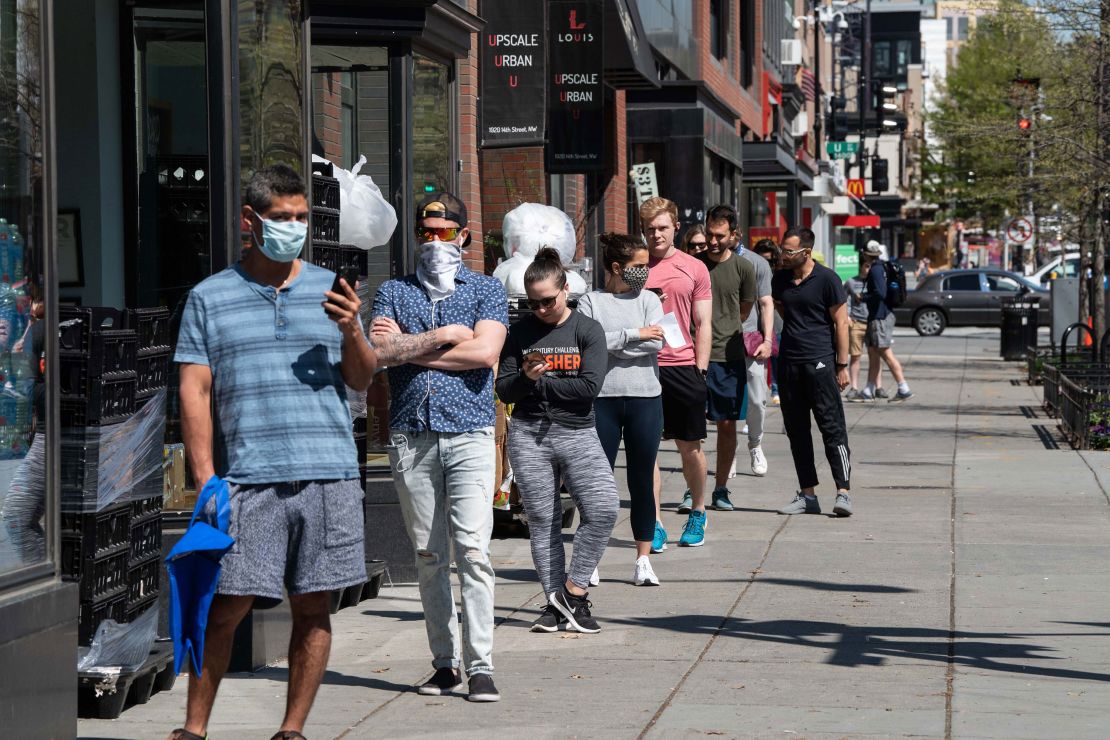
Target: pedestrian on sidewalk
[(759, 330), (769, 251), (855, 287), (880, 329), (813, 362), (265, 349), (733, 283), (683, 283), (552, 368), (629, 405), (441, 418), (694, 240)]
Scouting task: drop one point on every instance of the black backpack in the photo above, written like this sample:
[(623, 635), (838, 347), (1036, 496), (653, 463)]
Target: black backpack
[(895, 283)]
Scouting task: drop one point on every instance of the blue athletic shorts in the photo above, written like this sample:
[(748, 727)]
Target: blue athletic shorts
[(724, 385)]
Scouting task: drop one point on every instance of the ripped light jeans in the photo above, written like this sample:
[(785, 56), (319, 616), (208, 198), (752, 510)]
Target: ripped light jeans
[(445, 484)]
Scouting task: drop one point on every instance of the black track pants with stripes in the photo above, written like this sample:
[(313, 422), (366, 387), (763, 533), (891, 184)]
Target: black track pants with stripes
[(807, 388)]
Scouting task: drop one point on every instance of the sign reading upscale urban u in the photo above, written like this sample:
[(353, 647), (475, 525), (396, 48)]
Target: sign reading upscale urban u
[(513, 74), (576, 89)]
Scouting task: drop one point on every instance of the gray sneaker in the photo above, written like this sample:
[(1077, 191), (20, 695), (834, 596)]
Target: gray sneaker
[(881, 393), (802, 505), (852, 394), (843, 505), (862, 397), (687, 504), (901, 397)]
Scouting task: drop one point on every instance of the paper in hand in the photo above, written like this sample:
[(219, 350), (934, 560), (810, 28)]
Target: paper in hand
[(672, 334)]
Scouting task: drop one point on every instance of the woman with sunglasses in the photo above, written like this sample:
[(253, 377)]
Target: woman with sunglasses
[(630, 404), (552, 368), (695, 240)]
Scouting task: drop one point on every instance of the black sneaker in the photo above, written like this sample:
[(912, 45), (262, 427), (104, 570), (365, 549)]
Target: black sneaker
[(482, 688), (548, 621), (576, 609), (441, 682)]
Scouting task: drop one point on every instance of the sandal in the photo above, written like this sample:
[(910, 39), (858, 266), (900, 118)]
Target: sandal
[(182, 734), (288, 735)]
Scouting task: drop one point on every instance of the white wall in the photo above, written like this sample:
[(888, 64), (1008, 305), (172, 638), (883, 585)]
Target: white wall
[(89, 140), (934, 59)]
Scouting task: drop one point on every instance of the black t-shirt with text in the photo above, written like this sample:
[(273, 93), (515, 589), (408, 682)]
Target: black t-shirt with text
[(564, 394), (807, 328)]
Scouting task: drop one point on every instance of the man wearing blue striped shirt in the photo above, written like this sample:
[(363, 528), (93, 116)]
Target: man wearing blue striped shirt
[(270, 347)]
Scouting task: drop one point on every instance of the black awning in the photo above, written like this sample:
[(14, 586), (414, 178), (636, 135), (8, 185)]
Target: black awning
[(766, 160), (629, 63), (889, 207)]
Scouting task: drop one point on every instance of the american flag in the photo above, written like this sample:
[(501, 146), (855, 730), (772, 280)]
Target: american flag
[(809, 84)]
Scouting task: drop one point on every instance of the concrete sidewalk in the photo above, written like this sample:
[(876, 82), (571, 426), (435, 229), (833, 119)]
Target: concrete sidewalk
[(968, 597)]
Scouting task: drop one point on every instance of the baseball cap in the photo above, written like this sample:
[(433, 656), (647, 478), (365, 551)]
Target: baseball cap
[(441, 205), (873, 249)]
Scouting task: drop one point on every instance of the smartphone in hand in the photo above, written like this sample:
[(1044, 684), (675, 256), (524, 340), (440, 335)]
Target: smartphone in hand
[(350, 274)]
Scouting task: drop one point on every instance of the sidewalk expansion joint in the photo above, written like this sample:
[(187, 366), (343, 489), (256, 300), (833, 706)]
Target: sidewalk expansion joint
[(950, 668)]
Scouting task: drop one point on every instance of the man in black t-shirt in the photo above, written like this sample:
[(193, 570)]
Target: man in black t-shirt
[(813, 368)]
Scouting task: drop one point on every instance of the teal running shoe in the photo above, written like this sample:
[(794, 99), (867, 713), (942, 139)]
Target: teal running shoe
[(659, 542), (687, 504), (693, 534), (720, 499)]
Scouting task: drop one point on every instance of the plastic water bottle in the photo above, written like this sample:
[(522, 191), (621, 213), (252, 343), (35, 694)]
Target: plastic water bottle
[(9, 316), (15, 250), (5, 252)]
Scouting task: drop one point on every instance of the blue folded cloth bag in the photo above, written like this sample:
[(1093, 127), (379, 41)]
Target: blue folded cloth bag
[(194, 570)]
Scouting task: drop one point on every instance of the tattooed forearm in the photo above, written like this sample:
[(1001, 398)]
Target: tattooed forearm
[(397, 349)]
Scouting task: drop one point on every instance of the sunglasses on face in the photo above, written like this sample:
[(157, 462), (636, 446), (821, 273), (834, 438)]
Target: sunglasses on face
[(444, 234), (537, 303), (697, 245), (793, 252)]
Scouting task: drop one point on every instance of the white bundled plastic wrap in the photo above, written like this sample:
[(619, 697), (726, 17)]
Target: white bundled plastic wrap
[(366, 219), (528, 228), (120, 646), (117, 457)]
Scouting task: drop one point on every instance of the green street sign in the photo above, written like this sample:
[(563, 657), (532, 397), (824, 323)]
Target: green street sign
[(841, 149)]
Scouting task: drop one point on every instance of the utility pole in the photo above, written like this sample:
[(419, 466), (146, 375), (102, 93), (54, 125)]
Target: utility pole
[(863, 101)]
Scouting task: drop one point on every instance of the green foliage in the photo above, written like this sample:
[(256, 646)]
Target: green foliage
[(975, 119)]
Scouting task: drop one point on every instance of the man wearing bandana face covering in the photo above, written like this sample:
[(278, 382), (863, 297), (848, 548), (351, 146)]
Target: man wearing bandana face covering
[(269, 347), (441, 420)]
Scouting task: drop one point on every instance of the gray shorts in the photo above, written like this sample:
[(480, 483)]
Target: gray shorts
[(300, 537), (880, 333)]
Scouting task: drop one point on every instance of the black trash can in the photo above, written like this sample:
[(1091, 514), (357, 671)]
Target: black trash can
[(1019, 327)]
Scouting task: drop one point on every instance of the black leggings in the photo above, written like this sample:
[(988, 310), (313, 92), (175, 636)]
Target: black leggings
[(805, 388), (640, 422)]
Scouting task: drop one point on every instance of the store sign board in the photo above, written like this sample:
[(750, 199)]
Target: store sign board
[(576, 86), (514, 74), (647, 186), (856, 187), (847, 261)]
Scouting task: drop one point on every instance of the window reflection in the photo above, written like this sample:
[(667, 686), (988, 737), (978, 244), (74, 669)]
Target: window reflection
[(431, 121), (22, 326)]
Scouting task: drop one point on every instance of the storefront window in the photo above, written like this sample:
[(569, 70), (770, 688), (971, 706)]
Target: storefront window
[(431, 126), (23, 521), (768, 213)]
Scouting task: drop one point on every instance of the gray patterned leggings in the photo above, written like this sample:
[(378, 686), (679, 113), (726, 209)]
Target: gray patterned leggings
[(543, 454)]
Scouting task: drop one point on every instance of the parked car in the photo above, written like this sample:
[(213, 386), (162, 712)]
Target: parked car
[(966, 298)]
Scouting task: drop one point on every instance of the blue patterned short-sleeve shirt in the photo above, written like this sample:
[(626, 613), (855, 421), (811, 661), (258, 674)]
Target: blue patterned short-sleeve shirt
[(421, 398)]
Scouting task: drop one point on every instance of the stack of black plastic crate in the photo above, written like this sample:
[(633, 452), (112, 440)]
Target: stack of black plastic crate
[(328, 253), (111, 544)]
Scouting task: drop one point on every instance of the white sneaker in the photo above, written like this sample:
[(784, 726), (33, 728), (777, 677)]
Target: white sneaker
[(595, 578), (744, 430), (732, 470), (644, 575), (759, 462)]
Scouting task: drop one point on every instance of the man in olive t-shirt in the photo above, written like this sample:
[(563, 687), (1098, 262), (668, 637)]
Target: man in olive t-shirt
[(732, 280)]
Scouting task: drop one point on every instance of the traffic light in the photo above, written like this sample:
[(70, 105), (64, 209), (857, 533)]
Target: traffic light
[(1025, 123), (880, 182), (885, 106)]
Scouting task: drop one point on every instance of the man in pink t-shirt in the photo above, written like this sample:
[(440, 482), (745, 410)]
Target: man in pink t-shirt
[(683, 284)]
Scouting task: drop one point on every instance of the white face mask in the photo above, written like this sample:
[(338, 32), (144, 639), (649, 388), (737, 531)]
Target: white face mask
[(439, 263)]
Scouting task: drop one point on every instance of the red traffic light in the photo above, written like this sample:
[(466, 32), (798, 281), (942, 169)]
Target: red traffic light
[(1024, 124)]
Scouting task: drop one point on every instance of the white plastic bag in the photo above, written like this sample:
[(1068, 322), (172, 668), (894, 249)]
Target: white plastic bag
[(366, 219)]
